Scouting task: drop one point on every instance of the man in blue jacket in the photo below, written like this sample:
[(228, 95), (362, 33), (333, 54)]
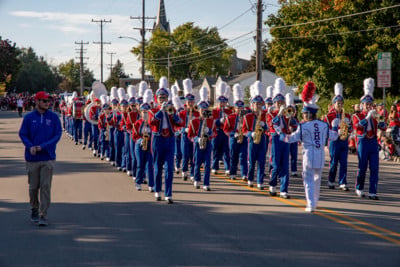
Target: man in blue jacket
[(40, 132)]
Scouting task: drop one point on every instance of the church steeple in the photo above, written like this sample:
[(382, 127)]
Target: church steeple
[(162, 22)]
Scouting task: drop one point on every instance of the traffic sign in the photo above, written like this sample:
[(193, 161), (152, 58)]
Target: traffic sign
[(384, 61), (384, 78)]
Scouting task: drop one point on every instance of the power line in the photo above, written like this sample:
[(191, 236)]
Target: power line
[(336, 33), (334, 18)]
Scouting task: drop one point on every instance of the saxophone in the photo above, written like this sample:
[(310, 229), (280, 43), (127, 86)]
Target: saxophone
[(344, 128), (239, 139), (259, 130), (145, 135), (203, 135)]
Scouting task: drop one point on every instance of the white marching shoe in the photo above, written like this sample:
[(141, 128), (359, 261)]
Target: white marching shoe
[(250, 183), (196, 184), (309, 209), (272, 190), (206, 188), (360, 193)]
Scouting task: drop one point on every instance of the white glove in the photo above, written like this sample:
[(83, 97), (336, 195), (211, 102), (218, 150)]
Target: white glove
[(222, 119), (186, 130), (146, 130), (281, 109), (335, 123), (262, 123), (253, 134), (236, 135), (340, 132), (206, 129), (371, 113), (278, 130), (164, 105), (347, 121)]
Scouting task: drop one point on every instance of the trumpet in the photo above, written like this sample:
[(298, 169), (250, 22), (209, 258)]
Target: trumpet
[(195, 108), (289, 111), (169, 109)]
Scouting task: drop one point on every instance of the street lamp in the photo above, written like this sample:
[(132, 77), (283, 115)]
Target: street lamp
[(129, 37)]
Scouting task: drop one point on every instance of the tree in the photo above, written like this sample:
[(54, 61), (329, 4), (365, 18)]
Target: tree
[(117, 72), (70, 72), (35, 74), (193, 52), (10, 64), (339, 50)]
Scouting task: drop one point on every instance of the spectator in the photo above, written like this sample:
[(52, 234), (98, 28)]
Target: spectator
[(40, 132)]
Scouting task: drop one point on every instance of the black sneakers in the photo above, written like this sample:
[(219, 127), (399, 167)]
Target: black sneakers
[(43, 221), (35, 216)]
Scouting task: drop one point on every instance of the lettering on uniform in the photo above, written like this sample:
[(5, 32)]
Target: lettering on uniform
[(317, 138)]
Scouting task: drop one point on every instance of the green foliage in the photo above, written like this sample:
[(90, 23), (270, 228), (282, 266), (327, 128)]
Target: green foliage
[(35, 74), (193, 53), (266, 62), (10, 64), (116, 73), (70, 72), (326, 58)]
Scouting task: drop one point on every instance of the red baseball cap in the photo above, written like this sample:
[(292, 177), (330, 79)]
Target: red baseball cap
[(41, 95)]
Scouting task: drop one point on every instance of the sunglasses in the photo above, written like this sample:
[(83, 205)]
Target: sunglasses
[(45, 100)]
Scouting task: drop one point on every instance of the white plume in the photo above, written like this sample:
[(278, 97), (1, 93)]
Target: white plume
[(131, 91), (279, 87), (121, 94), (74, 94), (369, 86), (257, 87), (289, 99), (142, 88), (176, 101), (269, 91), (174, 90), (113, 93), (221, 89), (338, 89), (103, 99), (148, 96), (237, 92), (163, 83), (187, 86), (203, 92)]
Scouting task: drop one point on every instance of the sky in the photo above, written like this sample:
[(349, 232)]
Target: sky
[(51, 27)]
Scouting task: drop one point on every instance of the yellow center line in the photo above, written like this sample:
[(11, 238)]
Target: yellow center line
[(323, 213)]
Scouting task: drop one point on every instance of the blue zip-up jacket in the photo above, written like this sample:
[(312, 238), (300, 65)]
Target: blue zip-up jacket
[(42, 130)]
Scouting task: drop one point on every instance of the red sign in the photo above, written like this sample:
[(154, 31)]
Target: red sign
[(384, 78)]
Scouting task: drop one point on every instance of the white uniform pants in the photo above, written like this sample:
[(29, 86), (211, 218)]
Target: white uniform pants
[(312, 185)]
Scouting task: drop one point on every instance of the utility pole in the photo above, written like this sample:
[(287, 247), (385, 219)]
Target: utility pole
[(101, 44), (142, 33), (258, 40), (111, 63), (81, 51)]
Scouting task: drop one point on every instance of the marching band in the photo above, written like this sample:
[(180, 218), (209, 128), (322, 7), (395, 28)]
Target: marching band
[(149, 136)]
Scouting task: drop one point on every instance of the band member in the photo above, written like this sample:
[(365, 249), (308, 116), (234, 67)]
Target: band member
[(293, 147), (338, 149), (87, 130), (163, 144), (104, 144), (77, 115), (277, 119), (394, 122), (132, 117), (268, 104), (112, 121), (313, 134), (238, 144), (141, 133), (221, 142), (366, 126), (120, 128), (201, 131), (187, 115), (94, 114), (178, 105), (254, 126)]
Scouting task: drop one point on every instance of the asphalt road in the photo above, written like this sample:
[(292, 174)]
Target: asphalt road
[(97, 218)]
